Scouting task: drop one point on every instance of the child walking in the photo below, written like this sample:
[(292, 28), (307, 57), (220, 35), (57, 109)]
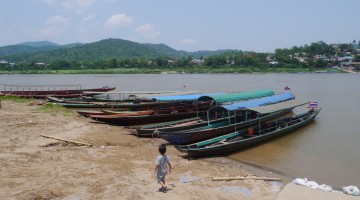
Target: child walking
[(162, 167)]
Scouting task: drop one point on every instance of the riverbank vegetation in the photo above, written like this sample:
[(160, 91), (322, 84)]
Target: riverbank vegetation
[(15, 99), (115, 56)]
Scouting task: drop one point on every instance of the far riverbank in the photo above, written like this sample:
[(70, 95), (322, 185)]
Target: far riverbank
[(195, 70)]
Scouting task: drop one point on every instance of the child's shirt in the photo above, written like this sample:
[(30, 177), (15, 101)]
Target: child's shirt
[(162, 161)]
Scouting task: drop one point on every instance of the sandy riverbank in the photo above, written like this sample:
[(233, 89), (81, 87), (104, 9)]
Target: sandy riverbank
[(117, 166)]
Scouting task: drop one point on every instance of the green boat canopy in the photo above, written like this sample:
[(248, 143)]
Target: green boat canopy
[(232, 97)]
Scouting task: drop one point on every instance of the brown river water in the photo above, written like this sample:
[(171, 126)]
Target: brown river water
[(326, 151)]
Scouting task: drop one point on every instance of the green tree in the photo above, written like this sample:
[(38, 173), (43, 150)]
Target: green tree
[(113, 63)]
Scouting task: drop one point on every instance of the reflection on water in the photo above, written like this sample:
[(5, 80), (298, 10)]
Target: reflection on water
[(326, 151)]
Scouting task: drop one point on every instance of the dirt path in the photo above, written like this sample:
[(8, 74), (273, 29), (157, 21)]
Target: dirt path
[(117, 166)]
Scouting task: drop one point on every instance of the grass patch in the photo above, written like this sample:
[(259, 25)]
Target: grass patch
[(15, 99), (55, 109)]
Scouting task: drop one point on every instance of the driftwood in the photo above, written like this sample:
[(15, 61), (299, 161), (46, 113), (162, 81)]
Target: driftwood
[(245, 178), (71, 141)]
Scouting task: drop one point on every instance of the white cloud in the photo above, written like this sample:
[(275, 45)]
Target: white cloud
[(188, 41), (88, 18), (55, 26), (50, 31), (76, 4), (84, 3), (148, 31), (57, 21), (118, 20)]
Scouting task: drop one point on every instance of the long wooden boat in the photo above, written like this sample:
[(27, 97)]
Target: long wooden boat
[(129, 113), (163, 114), (237, 140), (152, 130), (144, 119), (94, 99), (213, 130), (42, 91), (122, 105), (148, 130), (88, 113), (249, 117)]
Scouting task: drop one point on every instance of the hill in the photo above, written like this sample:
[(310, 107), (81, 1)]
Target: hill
[(30, 48), (102, 50), (39, 44)]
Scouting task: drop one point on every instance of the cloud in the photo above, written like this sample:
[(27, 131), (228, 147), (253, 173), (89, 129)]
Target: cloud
[(84, 3), (88, 18), (147, 30), (57, 20), (188, 41), (76, 4), (55, 26), (118, 20)]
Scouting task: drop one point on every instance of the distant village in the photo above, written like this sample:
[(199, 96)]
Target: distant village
[(345, 59)]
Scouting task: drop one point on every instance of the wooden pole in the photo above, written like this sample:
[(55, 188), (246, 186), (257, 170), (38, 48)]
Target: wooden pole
[(245, 178), (72, 141)]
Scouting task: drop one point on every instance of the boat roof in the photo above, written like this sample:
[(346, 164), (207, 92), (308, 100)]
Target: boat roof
[(145, 93), (171, 96), (188, 97), (257, 102), (130, 92), (278, 106), (231, 97)]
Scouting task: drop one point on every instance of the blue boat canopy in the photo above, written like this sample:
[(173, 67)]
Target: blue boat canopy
[(240, 96), (256, 102)]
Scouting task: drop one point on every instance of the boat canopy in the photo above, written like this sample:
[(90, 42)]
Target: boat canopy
[(240, 96), (174, 93), (186, 97), (256, 102), (277, 106)]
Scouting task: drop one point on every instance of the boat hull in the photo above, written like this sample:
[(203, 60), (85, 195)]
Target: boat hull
[(145, 119), (58, 93), (222, 147), (192, 136)]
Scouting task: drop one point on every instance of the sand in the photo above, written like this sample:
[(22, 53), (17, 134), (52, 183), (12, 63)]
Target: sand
[(117, 166)]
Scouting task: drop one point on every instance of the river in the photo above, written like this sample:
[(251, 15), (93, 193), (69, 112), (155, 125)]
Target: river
[(326, 151)]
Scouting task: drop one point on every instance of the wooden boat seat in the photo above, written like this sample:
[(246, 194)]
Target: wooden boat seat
[(219, 142), (223, 141), (235, 139)]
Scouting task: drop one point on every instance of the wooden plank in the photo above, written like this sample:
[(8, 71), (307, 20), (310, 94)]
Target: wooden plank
[(71, 141)]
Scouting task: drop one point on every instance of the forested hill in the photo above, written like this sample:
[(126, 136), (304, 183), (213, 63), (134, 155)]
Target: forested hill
[(31, 47), (102, 50)]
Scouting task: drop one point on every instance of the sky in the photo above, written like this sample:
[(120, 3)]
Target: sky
[(190, 25)]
